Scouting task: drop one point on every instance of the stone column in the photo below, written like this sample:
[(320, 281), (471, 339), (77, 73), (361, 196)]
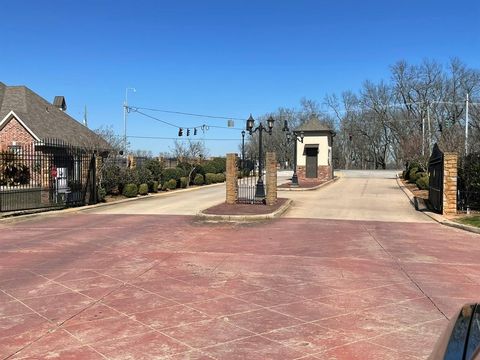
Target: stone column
[(131, 162), (231, 179), (271, 168), (450, 183)]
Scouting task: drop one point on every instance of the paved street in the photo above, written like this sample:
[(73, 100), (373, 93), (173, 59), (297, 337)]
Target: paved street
[(357, 195), (130, 285)]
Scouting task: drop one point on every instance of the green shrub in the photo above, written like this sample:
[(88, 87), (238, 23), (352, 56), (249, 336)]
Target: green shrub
[(171, 184), (143, 189), (130, 190), (423, 181), (198, 179), (110, 178), (210, 178), (239, 174), (144, 175), (101, 193), (412, 174), (171, 173), (183, 182), (220, 177), (153, 186), (127, 176), (155, 168), (209, 167)]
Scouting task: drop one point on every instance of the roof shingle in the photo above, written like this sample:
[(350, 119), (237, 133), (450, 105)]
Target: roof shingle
[(45, 120)]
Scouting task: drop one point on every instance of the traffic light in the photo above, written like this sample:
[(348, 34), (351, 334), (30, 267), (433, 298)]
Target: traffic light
[(195, 131), (180, 131), (188, 132)]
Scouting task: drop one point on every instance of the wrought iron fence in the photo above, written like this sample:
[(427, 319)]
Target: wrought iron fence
[(47, 174)]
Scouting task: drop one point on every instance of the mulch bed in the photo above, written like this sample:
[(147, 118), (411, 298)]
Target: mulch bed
[(244, 209), (415, 190), (302, 184)]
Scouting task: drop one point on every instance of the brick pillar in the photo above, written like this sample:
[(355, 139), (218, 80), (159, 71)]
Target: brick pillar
[(450, 183), (131, 162), (271, 178), (231, 179)]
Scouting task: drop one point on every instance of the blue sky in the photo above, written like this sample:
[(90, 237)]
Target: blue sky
[(228, 58)]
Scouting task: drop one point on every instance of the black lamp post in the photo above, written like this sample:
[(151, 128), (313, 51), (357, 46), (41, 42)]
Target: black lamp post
[(243, 149), (260, 188), (293, 135)]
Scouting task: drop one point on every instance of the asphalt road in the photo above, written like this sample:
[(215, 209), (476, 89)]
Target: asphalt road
[(187, 202), (357, 195)]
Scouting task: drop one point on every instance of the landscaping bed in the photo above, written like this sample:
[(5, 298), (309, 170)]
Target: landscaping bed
[(302, 184), (423, 194), (244, 209)]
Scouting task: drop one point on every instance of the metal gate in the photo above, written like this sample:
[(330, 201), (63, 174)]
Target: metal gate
[(435, 171), (247, 183), (47, 174)]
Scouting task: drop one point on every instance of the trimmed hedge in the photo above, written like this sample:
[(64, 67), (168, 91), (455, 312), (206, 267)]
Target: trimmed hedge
[(130, 190), (171, 173), (210, 178), (153, 186), (143, 189), (423, 182), (198, 179), (183, 182), (170, 184), (220, 177)]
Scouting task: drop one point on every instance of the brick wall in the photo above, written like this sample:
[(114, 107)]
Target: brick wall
[(12, 132), (324, 173)]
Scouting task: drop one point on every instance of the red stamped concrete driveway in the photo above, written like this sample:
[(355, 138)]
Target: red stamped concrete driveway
[(89, 286)]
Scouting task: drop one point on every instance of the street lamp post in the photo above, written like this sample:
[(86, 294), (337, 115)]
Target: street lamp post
[(243, 149), (125, 112), (260, 188), (295, 137)]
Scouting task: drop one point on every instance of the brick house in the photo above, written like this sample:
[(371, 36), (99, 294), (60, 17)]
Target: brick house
[(25, 118), (44, 153), (314, 155)]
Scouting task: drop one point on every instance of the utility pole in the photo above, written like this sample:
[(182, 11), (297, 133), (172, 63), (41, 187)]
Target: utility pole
[(466, 126), (85, 121), (125, 112)]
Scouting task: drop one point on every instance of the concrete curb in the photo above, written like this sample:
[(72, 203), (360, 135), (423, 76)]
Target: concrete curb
[(434, 216), (51, 212), (309, 189), (240, 218)]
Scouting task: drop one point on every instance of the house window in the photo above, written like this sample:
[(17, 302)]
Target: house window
[(16, 149)]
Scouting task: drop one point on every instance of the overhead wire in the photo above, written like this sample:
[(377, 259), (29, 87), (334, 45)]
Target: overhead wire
[(191, 114), (176, 138), (201, 127)]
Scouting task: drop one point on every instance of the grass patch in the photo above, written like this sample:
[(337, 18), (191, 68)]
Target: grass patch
[(470, 220)]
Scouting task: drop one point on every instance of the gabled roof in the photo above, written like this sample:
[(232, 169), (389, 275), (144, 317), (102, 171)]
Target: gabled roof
[(313, 124), (45, 120)]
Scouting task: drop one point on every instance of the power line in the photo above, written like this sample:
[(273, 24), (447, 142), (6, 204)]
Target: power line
[(191, 114), (202, 127), (175, 138)]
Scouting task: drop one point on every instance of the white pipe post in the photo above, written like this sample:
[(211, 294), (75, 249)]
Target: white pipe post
[(466, 126)]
